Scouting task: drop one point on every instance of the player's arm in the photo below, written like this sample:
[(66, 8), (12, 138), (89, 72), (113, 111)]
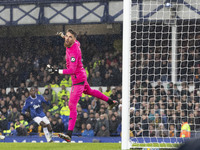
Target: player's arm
[(73, 63), (25, 108), (45, 100)]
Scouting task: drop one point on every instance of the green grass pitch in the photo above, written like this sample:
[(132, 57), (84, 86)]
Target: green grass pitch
[(77, 146), (157, 145), (60, 146)]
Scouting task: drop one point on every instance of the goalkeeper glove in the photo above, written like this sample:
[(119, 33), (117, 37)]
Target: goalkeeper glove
[(60, 34), (51, 69)]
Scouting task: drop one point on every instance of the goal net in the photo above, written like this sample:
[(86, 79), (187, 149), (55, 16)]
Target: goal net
[(164, 72)]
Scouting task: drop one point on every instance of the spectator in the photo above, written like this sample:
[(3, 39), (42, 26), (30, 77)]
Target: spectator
[(53, 93), (30, 130), (22, 89), (107, 80), (47, 96), (61, 93), (64, 114), (91, 120), (185, 129), (9, 109), (151, 115), (108, 91), (172, 131), (157, 120), (13, 115), (2, 104), (152, 132), (102, 109), (161, 131), (12, 92), (3, 123), (83, 127), (54, 109), (113, 124), (85, 118), (97, 116), (95, 105), (22, 121), (65, 110), (12, 131), (3, 92), (57, 115), (145, 125), (163, 118), (103, 132), (20, 128), (84, 102), (102, 121), (113, 94), (96, 79), (4, 112), (88, 132), (66, 81), (60, 126), (54, 125), (138, 130), (79, 120)]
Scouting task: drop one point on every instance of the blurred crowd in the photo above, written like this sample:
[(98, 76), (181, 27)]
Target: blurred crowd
[(158, 109), (25, 67), (152, 56), (93, 116), (157, 105)]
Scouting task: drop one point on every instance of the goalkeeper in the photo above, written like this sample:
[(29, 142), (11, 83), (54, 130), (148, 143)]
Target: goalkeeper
[(79, 79)]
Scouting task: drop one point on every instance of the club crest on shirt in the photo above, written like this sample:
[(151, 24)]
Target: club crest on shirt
[(73, 59)]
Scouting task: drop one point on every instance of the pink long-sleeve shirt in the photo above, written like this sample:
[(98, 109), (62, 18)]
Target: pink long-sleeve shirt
[(74, 64)]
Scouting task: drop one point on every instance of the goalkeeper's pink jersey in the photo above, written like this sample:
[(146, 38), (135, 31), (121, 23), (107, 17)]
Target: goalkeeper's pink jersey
[(74, 64)]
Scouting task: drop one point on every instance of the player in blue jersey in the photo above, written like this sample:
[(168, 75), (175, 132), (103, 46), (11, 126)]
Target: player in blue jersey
[(34, 104)]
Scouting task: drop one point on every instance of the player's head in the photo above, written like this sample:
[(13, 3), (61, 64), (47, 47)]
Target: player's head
[(70, 38), (183, 120), (72, 32), (32, 91)]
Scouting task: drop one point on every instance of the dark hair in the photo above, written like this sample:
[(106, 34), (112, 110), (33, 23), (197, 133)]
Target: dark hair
[(33, 88), (184, 120), (103, 125), (72, 32)]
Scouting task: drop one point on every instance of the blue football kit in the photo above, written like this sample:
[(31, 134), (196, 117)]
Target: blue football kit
[(34, 105)]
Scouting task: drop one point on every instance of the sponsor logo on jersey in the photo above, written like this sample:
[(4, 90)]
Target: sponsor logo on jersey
[(36, 106), (73, 59)]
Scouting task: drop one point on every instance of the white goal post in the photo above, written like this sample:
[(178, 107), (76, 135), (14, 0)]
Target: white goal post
[(126, 56), (161, 72)]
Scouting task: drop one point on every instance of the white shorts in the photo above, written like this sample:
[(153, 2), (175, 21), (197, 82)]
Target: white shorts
[(39, 119)]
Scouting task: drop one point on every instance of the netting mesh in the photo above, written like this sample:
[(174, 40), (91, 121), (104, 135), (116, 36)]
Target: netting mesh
[(158, 105)]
